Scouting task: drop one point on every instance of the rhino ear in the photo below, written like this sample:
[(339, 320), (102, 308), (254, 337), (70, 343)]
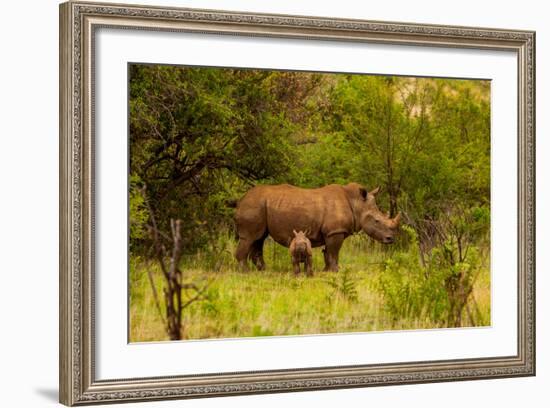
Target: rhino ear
[(363, 192), (397, 218), (375, 191)]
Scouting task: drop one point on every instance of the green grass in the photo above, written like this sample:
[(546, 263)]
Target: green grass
[(275, 302)]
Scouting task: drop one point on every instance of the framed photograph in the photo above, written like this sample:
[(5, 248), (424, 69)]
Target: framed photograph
[(256, 203)]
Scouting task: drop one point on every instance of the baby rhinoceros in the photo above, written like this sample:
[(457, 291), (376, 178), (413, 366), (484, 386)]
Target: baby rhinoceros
[(300, 252)]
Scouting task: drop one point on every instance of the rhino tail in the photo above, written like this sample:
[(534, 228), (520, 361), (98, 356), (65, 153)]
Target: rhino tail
[(231, 203)]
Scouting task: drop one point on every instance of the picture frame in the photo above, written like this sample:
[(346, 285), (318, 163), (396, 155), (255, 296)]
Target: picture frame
[(79, 23)]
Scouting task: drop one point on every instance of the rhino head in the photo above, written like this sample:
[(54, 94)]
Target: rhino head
[(300, 239), (368, 217)]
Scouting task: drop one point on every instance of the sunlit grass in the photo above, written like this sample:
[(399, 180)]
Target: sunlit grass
[(275, 302)]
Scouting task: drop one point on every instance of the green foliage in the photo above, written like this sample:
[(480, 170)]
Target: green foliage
[(343, 284), (202, 135), (438, 291), (410, 290), (425, 140), (138, 216)]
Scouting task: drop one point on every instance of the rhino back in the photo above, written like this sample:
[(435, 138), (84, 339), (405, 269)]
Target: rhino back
[(322, 212)]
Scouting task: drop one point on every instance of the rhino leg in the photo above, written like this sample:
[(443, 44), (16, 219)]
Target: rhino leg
[(243, 252), (325, 256), (308, 266), (333, 245), (296, 266), (257, 254), (252, 231)]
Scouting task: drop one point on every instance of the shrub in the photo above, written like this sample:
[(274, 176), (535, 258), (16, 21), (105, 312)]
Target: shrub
[(438, 291), (343, 284)]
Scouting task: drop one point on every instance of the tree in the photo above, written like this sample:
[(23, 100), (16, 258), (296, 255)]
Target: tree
[(201, 135), (425, 140)]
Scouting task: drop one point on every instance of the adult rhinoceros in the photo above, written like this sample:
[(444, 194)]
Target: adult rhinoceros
[(329, 215)]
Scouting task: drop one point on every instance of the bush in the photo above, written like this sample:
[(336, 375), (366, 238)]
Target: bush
[(411, 291), (343, 284), (439, 291)]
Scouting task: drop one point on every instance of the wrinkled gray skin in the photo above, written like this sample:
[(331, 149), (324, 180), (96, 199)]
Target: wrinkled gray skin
[(330, 214), (300, 252)]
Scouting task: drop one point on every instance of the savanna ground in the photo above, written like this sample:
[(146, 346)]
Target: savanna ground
[(201, 137), (275, 302)]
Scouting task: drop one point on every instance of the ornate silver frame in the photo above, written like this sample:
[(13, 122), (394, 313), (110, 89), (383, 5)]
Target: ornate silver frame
[(78, 22)]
